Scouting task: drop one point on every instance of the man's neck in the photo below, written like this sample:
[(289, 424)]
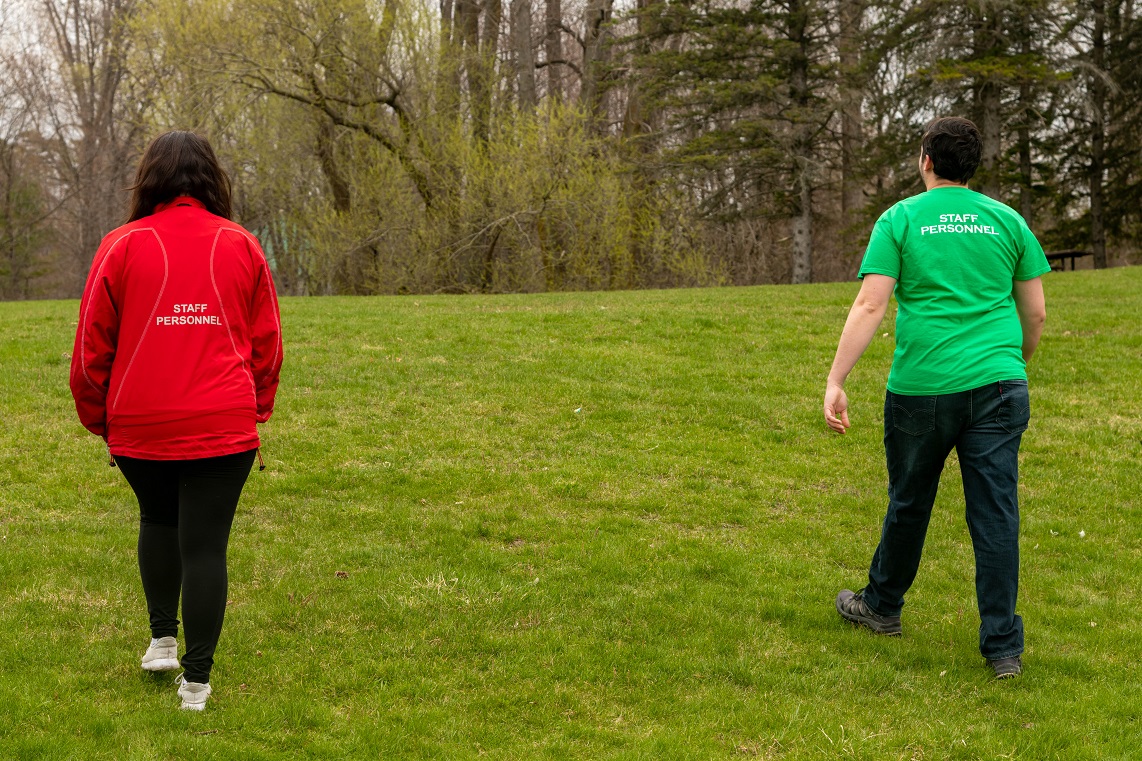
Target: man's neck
[(931, 182)]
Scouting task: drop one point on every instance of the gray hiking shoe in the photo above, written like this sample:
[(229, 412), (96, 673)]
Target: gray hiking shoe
[(852, 607), (162, 655), (1007, 668), (193, 694)]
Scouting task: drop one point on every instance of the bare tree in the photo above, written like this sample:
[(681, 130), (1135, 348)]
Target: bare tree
[(93, 119), (553, 48), (803, 153), (988, 42), (524, 52), (1098, 94), (592, 97), (851, 91)]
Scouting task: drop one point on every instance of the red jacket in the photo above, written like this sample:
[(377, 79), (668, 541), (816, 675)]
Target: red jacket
[(178, 348)]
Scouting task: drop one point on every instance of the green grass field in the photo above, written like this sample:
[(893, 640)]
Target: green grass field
[(580, 526)]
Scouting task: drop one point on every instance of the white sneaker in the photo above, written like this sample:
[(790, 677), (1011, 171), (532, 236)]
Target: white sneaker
[(193, 694), (162, 655)]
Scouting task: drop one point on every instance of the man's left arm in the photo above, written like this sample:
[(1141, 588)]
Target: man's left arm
[(1032, 309)]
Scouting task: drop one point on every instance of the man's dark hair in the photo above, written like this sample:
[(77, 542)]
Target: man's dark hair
[(177, 164), (955, 145)]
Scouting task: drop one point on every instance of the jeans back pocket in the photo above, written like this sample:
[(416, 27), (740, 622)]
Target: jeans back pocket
[(914, 415), (1014, 406)]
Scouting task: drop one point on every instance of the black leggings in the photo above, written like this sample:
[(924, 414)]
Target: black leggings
[(186, 508)]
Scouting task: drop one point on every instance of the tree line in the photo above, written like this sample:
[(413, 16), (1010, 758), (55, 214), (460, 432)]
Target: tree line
[(418, 146)]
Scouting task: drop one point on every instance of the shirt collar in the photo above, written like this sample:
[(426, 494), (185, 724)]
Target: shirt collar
[(180, 201)]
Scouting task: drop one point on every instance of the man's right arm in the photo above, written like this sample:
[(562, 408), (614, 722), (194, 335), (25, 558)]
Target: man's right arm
[(1032, 308), (864, 318)]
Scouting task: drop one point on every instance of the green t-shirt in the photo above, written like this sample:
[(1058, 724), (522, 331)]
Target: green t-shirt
[(954, 254)]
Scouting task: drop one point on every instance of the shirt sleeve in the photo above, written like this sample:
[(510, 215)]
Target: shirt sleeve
[(265, 336), (1032, 261), (96, 339), (882, 257)]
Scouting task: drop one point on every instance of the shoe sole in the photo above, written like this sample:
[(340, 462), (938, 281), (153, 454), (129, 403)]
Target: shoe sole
[(1008, 674), (193, 707), (163, 664), (874, 626)]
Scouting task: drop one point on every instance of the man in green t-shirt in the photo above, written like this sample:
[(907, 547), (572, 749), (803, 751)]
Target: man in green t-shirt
[(965, 270)]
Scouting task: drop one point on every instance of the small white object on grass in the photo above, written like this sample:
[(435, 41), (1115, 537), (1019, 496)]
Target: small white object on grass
[(578, 410), (1082, 534)]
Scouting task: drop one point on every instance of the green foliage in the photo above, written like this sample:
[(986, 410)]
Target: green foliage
[(739, 114), (390, 190), (541, 205), (379, 146), (595, 525), (23, 205)]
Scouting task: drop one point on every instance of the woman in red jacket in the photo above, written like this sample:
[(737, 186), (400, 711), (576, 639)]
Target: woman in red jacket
[(176, 360)]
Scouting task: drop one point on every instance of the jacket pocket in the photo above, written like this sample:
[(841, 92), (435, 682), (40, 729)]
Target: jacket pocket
[(914, 415), (1014, 413)]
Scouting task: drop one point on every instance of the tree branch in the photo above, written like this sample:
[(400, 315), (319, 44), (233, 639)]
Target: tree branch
[(321, 103), (560, 62)]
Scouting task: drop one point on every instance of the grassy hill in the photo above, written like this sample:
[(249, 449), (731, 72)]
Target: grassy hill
[(580, 526)]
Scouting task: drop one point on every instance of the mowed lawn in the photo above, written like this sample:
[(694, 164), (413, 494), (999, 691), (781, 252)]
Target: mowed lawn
[(581, 526)]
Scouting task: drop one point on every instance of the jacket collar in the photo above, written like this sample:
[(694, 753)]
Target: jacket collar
[(180, 201)]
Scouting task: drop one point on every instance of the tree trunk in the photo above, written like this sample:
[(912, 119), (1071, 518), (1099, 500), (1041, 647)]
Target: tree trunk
[(591, 95), (803, 233), (1026, 195), (1026, 109), (490, 39), (988, 93), (388, 25), (449, 73), (992, 139), (802, 143), (342, 200), (485, 70), (468, 41), (446, 22), (1098, 134), (11, 260), (524, 53), (638, 118), (852, 95), (553, 47)]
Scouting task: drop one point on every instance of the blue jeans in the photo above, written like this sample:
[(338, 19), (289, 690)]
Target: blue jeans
[(984, 426)]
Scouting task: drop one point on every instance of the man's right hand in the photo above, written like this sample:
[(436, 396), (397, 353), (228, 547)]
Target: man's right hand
[(864, 317), (836, 408)]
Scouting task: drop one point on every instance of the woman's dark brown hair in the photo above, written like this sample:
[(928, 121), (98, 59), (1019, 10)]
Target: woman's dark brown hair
[(177, 164)]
